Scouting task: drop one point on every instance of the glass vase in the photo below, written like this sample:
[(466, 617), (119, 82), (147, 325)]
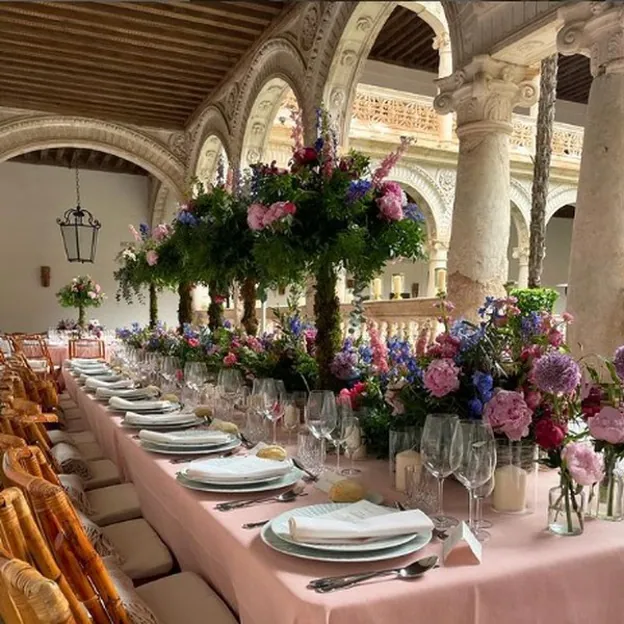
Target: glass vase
[(566, 508), (515, 477), (401, 439), (606, 499)]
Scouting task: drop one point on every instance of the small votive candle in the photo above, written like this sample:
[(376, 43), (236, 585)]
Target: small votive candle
[(510, 489), (402, 461)]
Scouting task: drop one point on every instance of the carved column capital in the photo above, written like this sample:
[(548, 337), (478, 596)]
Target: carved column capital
[(438, 250), (442, 42), (596, 30), (521, 254), (484, 94)]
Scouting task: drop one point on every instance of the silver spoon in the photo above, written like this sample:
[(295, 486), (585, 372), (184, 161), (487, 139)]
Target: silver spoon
[(412, 571), (285, 497)]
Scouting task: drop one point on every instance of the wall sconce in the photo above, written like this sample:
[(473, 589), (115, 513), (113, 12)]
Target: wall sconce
[(45, 276)]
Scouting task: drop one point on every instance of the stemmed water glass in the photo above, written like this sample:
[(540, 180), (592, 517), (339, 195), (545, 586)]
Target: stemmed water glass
[(435, 451), (352, 441), (473, 457), (195, 374), (321, 415), (481, 523), (274, 395), (171, 372), (291, 418), (338, 434)]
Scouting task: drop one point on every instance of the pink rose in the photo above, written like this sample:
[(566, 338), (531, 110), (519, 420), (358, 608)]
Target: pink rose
[(608, 425), (555, 337), (151, 257), (192, 342), (533, 398), (230, 359), (255, 216), (161, 231), (392, 188), (583, 463), (441, 377), (508, 413), (391, 207)]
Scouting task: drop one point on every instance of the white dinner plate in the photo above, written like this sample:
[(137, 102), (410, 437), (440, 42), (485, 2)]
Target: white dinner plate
[(137, 409), (239, 479), (279, 526), (186, 438), (183, 424), (248, 488), (187, 449), (342, 556)]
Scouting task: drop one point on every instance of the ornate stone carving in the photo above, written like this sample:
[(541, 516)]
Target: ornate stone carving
[(309, 26), (442, 41), (595, 29), (253, 155), (364, 23), (484, 94), (348, 58), (180, 144), (446, 181)]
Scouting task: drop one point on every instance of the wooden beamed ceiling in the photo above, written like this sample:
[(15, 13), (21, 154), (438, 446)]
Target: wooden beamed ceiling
[(148, 63), (407, 40)]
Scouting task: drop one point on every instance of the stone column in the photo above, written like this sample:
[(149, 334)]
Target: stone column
[(442, 43), (483, 94), (437, 261), (596, 276), (521, 254)]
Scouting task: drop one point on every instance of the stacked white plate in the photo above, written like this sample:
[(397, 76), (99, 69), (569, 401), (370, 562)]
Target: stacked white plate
[(148, 406), (169, 421), (277, 535), (131, 394), (190, 442), (237, 475)]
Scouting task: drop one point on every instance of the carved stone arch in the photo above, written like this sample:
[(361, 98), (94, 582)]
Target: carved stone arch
[(520, 211), (276, 59), (211, 122), (558, 198), (435, 211), (211, 155), (364, 24), (44, 132)]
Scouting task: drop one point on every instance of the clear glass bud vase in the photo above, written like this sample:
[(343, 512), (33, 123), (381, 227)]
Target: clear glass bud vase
[(566, 509), (606, 499)]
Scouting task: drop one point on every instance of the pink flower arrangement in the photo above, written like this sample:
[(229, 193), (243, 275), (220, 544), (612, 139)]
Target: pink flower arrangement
[(353, 393), (549, 434), (585, 466), (135, 233), (192, 342), (441, 377), (230, 359), (161, 231), (388, 163), (508, 413), (151, 257), (379, 350), (608, 425), (390, 207), (254, 344), (260, 216)]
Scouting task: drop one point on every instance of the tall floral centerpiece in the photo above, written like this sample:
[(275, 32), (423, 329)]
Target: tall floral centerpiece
[(81, 293), (329, 212)]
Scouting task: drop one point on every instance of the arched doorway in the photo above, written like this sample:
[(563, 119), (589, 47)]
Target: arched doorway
[(558, 245), (213, 163)]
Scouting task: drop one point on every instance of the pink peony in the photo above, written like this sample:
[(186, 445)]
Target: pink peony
[(555, 337), (392, 188), (583, 463), (508, 413), (255, 216), (230, 359), (567, 317), (91, 295), (608, 425), (151, 257), (161, 231), (441, 377), (391, 207)]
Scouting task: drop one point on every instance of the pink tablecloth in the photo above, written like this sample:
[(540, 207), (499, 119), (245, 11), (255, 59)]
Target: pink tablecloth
[(59, 353), (527, 576)]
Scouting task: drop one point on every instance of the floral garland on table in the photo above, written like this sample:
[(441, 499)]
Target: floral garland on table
[(82, 292), (327, 213)]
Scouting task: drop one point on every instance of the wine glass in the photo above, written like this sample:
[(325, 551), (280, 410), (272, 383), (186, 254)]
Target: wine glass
[(314, 409), (171, 371), (338, 433), (435, 450), (481, 523), (229, 382), (291, 418), (274, 403), (473, 457), (352, 441)]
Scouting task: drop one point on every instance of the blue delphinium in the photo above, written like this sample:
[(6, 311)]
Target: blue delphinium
[(357, 190), (531, 325), (475, 407), (227, 324), (487, 306), (144, 230), (412, 212), (484, 385), (295, 326), (186, 218), (468, 335)]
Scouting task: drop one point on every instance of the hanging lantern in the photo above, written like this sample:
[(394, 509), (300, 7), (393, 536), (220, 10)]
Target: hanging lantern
[(79, 231)]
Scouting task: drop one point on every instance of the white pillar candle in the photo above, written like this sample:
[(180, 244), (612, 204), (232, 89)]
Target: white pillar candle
[(402, 461), (397, 285), (510, 489), (377, 289)]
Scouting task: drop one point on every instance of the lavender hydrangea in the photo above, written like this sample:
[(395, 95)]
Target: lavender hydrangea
[(357, 190), (412, 212), (186, 218), (618, 362), (344, 365), (556, 373)]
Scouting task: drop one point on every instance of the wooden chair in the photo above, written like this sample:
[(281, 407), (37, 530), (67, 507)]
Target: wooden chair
[(21, 538), (87, 348), (35, 349), (27, 597)]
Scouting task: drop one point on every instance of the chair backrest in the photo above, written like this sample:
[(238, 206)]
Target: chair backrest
[(81, 565), (27, 597), (87, 348), (34, 347), (8, 442), (29, 460), (20, 536)]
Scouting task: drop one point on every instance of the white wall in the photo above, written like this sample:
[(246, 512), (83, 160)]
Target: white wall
[(558, 242), (399, 78), (31, 198)]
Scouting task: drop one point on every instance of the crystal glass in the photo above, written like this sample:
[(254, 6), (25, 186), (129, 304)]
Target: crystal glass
[(399, 440), (566, 508), (314, 410), (230, 382), (274, 395), (435, 450), (255, 424), (481, 493), (310, 451), (171, 371), (352, 443), (292, 415), (606, 499), (421, 490), (473, 457), (337, 436)]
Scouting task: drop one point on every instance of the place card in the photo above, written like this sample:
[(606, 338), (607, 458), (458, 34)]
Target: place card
[(461, 547)]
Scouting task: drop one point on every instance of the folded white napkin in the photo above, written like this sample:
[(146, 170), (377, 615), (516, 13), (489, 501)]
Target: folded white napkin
[(170, 418), (119, 403), (38, 364), (93, 382), (134, 393), (331, 528), (85, 362), (94, 372), (233, 469), (183, 438)]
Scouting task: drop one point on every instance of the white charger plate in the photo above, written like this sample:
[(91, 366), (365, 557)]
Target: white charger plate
[(190, 443), (168, 427), (248, 488), (138, 410), (189, 450), (279, 526), (241, 480), (342, 556)]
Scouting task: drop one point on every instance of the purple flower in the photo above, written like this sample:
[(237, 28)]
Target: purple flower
[(618, 362), (412, 212), (186, 218), (556, 373), (344, 365), (357, 190), (144, 229)]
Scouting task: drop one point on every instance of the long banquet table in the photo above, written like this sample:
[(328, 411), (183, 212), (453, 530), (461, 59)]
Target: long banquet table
[(527, 576)]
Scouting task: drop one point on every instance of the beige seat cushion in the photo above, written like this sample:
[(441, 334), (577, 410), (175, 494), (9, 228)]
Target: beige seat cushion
[(73, 426), (116, 503), (185, 599), (80, 437), (143, 553), (89, 450), (72, 413), (103, 473)]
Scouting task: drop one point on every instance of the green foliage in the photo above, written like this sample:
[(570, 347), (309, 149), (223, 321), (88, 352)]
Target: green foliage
[(535, 299), (81, 292)]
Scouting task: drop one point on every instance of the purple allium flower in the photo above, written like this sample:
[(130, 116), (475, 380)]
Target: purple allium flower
[(556, 373), (344, 365), (618, 362)]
